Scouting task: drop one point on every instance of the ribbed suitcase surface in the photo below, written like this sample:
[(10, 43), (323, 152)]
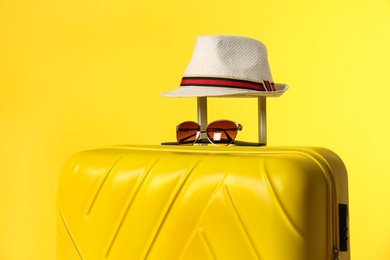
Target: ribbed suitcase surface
[(153, 202)]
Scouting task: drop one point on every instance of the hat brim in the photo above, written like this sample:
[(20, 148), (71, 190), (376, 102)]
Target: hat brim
[(204, 91)]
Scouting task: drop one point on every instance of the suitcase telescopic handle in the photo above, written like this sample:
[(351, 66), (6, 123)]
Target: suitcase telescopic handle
[(262, 119), (262, 116), (202, 115)]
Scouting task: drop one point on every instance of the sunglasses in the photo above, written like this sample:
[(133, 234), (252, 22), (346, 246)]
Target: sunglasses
[(222, 132)]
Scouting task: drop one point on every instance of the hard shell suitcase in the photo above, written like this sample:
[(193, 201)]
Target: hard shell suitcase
[(156, 202), (201, 202)]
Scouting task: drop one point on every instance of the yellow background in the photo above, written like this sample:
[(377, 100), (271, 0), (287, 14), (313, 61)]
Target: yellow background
[(77, 75)]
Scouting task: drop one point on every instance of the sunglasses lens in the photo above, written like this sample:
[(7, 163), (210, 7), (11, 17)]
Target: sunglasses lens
[(222, 132), (187, 133)]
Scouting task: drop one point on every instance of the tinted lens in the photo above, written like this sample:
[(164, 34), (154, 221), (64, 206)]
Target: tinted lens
[(187, 133), (222, 132)]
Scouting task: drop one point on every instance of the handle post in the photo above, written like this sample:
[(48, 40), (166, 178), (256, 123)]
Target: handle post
[(262, 120), (202, 115)]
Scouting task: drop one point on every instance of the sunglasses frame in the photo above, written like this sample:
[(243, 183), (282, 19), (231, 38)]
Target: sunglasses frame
[(204, 130)]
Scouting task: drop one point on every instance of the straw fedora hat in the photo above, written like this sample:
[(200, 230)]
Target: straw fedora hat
[(228, 66)]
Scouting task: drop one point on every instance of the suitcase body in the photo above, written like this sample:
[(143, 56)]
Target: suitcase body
[(155, 202)]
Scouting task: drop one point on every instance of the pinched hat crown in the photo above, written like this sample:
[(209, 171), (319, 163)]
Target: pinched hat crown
[(228, 66)]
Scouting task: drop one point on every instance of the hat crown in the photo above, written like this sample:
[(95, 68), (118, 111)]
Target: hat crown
[(230, 57), (228, 66)]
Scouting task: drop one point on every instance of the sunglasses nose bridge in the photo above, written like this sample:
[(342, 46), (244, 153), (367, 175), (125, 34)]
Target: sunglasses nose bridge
[(202, 132)]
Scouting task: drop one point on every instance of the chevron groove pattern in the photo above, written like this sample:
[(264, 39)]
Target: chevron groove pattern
[(274, 194), (103, 179), (132, 197), (207, 243), (236, 212), (170, 204), (178, 205), (66, 233)]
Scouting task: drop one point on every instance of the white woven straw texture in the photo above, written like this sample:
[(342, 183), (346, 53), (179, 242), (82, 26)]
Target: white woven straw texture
[(230, 57)]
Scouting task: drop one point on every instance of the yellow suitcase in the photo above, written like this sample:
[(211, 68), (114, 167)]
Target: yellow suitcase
[(171, 202)]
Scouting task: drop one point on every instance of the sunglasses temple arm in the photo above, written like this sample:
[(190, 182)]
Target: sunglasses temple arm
[(224, 130), (228, 136), (186, 138)]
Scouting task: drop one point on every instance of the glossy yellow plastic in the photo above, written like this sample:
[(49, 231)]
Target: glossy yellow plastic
[(153, 202)]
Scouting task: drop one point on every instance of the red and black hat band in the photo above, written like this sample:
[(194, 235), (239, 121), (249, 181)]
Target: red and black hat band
[(228, 83)]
